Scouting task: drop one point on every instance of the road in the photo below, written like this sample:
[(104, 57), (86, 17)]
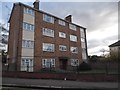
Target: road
[(42, 83)]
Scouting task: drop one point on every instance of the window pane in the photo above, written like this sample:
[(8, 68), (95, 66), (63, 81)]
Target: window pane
[(27, 44), (74, 49), (27, 26), (48, 18), (61, 22), (62, 48), (74, 62), (73, 38), (48, 32), (48, 47), (84, 56), (83, 44), (62, 35), (82, 34), (29, 11), (72, 27), (47, 63)]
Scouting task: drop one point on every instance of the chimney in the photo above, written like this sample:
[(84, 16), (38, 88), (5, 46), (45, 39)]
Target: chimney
[(36, 4), (68, 18)]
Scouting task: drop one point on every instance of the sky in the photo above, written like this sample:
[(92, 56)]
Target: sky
[(99, 17)]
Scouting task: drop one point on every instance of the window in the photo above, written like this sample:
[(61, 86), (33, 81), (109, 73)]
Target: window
[(82, 33), (48, 63), (74, 62), (48, 18), (48, 32), (74, 49), (84, 56), (83, 45), (48, 47), (61, 22), (29, 11), (62, 48), (73, 38), (27, 64), (82, 40), (72, 27), (27, 44), (62, 35), (27, 26)]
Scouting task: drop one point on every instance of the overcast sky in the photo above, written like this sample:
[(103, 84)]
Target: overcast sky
[(100, 19)]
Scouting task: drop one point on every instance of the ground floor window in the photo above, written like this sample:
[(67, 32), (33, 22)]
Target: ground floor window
[(48, 63), (27, 64), (74, 62)]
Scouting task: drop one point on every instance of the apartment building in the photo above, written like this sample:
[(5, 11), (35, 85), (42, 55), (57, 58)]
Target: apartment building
[(39, 40)]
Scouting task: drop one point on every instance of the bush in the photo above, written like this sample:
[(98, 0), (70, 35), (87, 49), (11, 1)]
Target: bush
[(84, 67)]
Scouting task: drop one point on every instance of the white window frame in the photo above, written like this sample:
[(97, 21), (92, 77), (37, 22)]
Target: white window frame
[(62, 35), (73, 38), (29, 11), (73, 27), (48, 63), (82, 33), (74, 49), (62, 48), (27, 44), (27, 26), (61, 22), (74, 62), (83, 45), (84, 54), (48, 18), (27, 64), (48, 32), (48, 47)]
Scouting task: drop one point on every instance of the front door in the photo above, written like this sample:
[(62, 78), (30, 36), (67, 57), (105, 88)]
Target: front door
[(63, 64)]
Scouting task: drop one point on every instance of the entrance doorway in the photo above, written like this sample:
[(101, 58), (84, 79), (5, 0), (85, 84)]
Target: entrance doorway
[(63, 63)]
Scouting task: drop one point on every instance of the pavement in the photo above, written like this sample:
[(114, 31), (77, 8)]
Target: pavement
[(43, 83)]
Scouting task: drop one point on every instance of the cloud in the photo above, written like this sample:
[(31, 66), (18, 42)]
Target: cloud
[(92, 15)]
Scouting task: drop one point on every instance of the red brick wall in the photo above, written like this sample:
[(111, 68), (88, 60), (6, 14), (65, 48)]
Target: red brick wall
[(69, 76), (15, 34)]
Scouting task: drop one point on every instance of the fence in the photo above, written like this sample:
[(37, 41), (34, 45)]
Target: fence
[(97, 67)]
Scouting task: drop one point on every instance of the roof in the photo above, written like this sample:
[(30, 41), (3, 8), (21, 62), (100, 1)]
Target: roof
[(115, 44), (19, 3)]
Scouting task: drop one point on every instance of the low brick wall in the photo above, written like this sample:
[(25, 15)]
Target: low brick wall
[(62, 76)]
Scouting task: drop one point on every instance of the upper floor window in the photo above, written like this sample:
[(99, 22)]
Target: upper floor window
[(62, 35), (83, 45), (82, 33), (82, 40), (72, 27), (84, 55), (28, 44), (48, 18), (62, 48), (48, 47), (48, 32), (27, 26), (61, 22), (74, 49), (74, 62), (73, 38), (48, 63), (29, 11)]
